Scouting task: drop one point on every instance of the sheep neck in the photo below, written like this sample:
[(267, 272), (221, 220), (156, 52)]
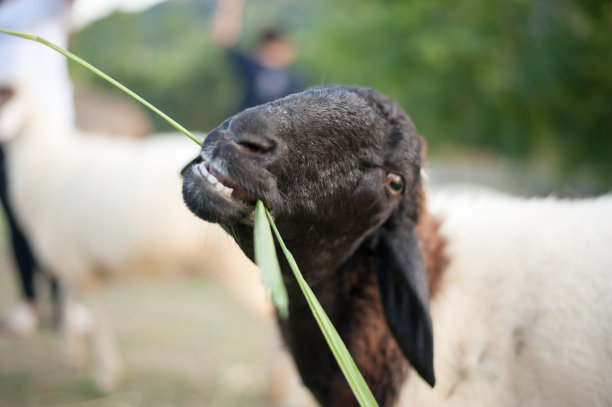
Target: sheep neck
[(351, 299), (352, 302)]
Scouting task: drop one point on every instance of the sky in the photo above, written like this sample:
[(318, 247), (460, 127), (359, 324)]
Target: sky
[(86, 11)]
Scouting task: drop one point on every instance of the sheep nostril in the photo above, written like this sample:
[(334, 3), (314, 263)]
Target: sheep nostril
[(263, 146)]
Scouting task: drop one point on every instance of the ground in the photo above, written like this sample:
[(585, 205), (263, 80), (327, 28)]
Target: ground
[(183, 340)]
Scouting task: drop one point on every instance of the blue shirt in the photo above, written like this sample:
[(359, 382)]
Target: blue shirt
[(260, 83)]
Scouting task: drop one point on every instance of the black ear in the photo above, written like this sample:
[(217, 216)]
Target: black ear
[(404, 292)]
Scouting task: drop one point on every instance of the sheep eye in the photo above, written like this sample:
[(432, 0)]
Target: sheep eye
[(395, 183)]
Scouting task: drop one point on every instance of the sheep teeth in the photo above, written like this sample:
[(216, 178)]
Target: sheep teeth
[(212, 179), (219, 187), (223, 189)]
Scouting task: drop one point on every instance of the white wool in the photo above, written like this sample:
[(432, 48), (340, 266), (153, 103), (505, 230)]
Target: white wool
[(523, 315), (96, 207)]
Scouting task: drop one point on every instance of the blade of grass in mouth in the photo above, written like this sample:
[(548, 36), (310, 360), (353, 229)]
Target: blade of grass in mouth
[(347, 365), (265, 252)]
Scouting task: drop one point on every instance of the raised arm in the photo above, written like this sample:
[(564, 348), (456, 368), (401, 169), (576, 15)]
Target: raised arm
[(227, 22)]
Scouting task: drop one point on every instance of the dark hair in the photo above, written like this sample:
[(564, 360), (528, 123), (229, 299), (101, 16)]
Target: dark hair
[(271, 34)]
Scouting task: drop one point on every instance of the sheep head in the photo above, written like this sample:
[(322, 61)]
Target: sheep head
[(339, 169)]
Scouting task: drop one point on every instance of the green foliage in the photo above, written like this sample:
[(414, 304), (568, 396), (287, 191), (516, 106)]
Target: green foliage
[(526, 79)]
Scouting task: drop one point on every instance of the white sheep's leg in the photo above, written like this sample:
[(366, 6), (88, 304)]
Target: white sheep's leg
[(83, 328), (108, 363), (77, 325)]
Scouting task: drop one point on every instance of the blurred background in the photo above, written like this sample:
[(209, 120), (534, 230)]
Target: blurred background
[(523, 86), (514, 95)]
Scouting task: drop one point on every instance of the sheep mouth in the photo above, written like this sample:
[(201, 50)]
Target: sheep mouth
[(223, 185)]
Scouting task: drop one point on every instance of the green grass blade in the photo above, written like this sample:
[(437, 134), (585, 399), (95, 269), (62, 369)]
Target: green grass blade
[(265, 257), (347, 365), (103, 76)]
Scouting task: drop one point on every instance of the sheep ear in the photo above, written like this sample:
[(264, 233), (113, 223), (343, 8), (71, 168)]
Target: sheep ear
[(402, 278)]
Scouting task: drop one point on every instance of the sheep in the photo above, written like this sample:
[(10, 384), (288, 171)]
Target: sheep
[(98, 208), (448, 300)]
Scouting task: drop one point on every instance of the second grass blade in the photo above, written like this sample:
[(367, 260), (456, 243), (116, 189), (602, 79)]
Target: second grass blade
[(265, 257)]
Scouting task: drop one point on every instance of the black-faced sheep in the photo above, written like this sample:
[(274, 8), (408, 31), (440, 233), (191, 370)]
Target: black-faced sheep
[(506, 300)]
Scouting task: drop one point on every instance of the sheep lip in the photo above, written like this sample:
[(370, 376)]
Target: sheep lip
[(224, 185)]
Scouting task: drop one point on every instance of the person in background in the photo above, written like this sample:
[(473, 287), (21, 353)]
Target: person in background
[(45, 73), (264, 73)]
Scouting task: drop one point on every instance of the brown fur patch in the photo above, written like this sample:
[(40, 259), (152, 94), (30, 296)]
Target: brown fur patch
[(432, 246), (372, 345)]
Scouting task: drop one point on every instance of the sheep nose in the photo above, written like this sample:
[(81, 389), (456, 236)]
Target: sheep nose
[(254, 134)]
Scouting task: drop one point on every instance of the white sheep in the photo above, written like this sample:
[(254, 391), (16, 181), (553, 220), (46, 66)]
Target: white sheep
[(96, 208), (491, 300), (522, 312)]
